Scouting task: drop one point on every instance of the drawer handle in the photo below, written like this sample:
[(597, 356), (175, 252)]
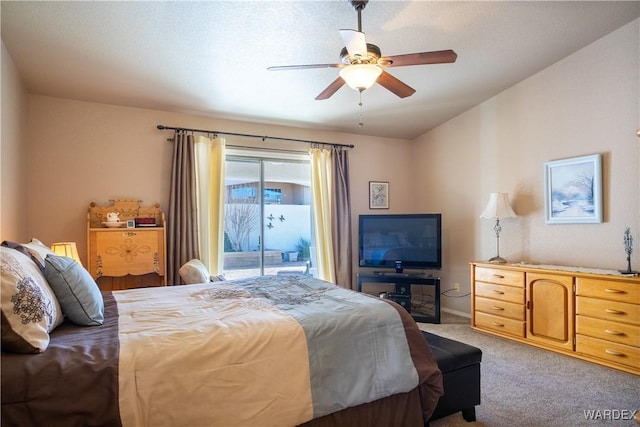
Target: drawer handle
[(498, 324), (495, 291), (614, 291), (612, 311), (495, 307), (613, 352), (498, 276), (611, 332), (129, 234)]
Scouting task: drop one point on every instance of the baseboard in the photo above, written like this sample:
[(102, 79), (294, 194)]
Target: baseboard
[(456, 312)]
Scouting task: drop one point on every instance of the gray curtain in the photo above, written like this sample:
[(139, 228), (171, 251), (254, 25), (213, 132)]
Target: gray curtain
[(341, 211), (182, 230)]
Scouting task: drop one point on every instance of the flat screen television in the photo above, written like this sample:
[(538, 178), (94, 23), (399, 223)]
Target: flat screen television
[(414, 239)]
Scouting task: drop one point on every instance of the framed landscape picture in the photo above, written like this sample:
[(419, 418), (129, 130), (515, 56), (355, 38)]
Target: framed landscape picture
[(378, 195), (573, 190)]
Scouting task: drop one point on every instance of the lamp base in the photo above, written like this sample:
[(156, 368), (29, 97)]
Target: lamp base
[(630, 272), (498, 260)]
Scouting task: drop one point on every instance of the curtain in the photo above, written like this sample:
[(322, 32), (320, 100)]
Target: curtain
[(341, 214), (332, 215), (182, 227), (210, 189), (321, 195)]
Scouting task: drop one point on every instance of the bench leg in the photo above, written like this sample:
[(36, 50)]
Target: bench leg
[(469, 414)]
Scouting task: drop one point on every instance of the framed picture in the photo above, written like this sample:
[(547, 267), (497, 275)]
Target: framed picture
[(378, 195), (131, 224), (573, 190)]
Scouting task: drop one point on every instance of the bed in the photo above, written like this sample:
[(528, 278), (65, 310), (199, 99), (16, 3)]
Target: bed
[(264, 351)]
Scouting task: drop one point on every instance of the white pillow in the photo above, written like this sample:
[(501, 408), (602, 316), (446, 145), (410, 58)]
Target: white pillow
[(30, 310), (193, 272), (38, 250)]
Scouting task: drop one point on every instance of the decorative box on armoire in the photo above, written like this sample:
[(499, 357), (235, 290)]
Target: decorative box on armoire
[(130, 252)]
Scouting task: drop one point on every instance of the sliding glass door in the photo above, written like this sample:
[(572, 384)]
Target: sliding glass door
[(267, 216)]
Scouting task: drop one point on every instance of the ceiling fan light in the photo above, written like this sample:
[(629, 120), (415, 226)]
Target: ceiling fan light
[(360, 76)]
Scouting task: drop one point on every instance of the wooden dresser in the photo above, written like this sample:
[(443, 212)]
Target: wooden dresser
[(589, 314), (126, 257)]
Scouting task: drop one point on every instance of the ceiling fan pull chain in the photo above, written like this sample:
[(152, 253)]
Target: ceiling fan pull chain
[(360, 124)]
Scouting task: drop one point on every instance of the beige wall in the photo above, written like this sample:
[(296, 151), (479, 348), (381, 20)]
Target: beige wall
[(13, 153), (82, 152), (585, 104)]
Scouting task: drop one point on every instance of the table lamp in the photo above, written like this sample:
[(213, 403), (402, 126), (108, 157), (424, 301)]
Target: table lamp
[(67, 249), (498, 207)]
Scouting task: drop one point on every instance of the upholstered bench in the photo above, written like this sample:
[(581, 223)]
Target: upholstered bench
[(460, 366)]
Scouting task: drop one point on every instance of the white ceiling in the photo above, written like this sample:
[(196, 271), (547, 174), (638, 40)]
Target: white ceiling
[(211, 57)]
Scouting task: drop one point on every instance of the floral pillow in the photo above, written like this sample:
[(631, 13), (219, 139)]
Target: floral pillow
[(24, 250), (30, 310)]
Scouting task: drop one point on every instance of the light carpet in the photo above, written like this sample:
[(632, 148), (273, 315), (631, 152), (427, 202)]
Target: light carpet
[(527, 386)]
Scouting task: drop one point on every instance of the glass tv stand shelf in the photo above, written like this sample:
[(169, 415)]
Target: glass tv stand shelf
[(402, 292)]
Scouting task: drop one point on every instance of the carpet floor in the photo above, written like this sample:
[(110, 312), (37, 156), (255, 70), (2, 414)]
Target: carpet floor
[(527, 386)]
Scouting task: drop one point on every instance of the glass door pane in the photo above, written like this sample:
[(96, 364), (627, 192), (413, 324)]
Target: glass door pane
[(267, 217), (287, 216), (242, 218)]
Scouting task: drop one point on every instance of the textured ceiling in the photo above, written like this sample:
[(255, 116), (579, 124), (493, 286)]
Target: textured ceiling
[(211, 58)]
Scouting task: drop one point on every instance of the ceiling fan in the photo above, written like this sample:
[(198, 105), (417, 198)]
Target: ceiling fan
[(361, 63)]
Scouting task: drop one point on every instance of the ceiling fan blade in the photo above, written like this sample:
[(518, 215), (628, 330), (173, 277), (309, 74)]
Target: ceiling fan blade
[(355, 42), (303, 67), (394, 85), (435, 57), (331, 89)]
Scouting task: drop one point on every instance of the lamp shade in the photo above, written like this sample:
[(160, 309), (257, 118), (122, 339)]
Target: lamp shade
[(498, 207), (360, 76), (67, 249)]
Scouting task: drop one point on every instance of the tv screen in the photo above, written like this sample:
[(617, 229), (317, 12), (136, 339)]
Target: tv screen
[(414, 239)]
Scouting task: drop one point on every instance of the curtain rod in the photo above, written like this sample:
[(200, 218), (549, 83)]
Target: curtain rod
[(163, 127)]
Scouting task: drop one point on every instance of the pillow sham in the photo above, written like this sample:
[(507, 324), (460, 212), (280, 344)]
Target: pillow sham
[(30, 310), (77, 292), (24, 250), (38, 250), (193, 272)]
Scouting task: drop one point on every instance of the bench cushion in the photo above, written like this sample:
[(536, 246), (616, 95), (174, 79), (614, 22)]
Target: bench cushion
[(450, 354)]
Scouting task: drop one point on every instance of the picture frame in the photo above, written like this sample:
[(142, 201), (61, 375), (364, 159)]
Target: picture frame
[(378, 195), (131, 224), (573, 190)]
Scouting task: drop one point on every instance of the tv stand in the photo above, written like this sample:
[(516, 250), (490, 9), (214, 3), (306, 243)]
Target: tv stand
[(402, 294), (394, 274)]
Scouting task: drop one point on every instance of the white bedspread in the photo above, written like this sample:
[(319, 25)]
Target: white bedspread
[(266, 351)]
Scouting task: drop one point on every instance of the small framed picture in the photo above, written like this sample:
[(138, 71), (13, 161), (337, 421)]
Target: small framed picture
[(378, 195), (573, 190), (131, 224)]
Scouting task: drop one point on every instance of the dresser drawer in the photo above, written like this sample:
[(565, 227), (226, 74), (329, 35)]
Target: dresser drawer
[(608, 310), (499, 324), (500, 308), (617, 353), (502, 277), (612, 331), (499, 292), (608, 289)]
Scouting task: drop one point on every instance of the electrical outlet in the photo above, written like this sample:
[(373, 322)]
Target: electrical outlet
[(456, 287)]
